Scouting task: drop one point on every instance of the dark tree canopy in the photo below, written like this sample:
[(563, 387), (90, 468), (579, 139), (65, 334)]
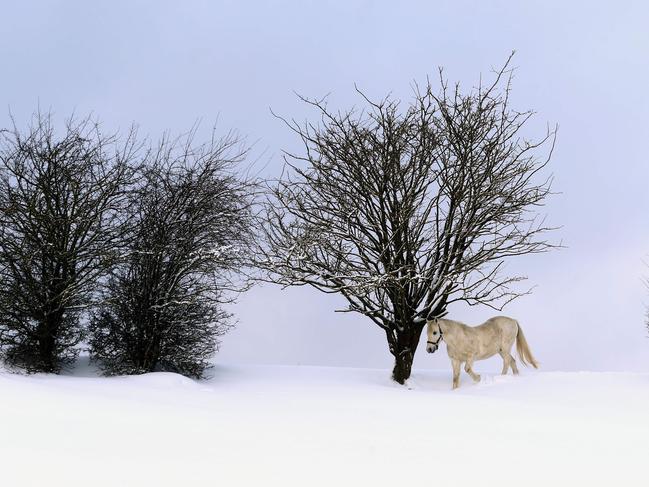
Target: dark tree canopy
[(61, 197), (189, 236), (404, 211)]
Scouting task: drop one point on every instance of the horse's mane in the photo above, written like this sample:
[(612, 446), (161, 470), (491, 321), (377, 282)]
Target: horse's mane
[(453, 322)]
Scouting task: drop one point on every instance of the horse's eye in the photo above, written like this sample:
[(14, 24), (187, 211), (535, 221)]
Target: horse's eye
[(434, 333)]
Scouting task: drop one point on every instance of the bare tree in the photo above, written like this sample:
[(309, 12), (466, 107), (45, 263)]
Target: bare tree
[(404, 212), (190, 233), (61, 201)]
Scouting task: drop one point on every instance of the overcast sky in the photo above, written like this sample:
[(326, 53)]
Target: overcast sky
[(583, 65)]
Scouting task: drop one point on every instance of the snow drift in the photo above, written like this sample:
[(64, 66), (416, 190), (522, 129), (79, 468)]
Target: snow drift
[(269, 426)]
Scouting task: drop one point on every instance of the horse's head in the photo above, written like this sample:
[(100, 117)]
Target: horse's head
[(434, 335)]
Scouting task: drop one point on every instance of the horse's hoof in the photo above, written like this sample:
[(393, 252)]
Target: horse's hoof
[(477, 378)]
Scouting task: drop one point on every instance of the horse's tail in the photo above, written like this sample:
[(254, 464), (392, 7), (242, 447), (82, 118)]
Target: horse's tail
[(523, 349)]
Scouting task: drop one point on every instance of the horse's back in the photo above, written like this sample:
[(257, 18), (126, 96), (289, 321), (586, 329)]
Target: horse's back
[(502, 322), (507, 326)]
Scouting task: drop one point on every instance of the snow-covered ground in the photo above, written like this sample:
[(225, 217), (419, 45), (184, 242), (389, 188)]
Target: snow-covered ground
[(309, 426)]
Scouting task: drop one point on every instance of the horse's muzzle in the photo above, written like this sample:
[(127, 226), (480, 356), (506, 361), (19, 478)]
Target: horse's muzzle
[(431, 348)]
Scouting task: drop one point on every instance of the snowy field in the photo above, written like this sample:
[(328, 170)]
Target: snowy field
[(308, 426)]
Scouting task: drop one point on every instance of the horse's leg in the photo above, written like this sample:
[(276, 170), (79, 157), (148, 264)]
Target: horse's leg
[(456, 373), (513, 365), (468, 367), (505, 357)]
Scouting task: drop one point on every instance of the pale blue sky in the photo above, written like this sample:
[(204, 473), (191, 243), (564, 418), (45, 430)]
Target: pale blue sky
[(583, 65)]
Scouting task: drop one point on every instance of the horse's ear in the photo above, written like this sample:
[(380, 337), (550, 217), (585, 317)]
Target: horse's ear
[(432, 316)]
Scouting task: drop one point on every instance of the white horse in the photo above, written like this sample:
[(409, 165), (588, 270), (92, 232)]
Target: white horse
[(466, 343)]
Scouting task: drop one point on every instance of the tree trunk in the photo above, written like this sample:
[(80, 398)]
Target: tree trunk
[(149, 348), (47, 345), (403, 348)]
